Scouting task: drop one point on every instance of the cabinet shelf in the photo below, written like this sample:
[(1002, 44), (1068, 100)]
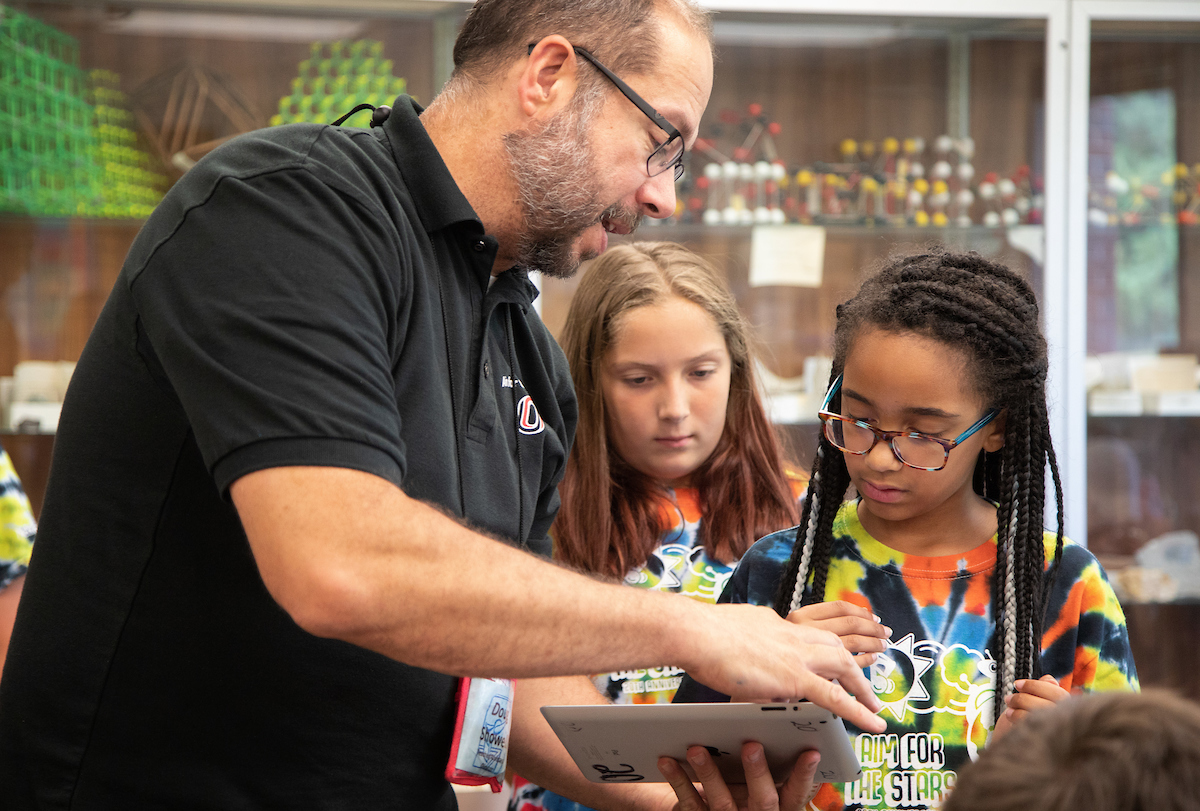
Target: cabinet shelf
[(687, 231)]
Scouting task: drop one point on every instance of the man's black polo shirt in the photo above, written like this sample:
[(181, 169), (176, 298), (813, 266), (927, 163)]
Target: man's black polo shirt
[(306, 295)]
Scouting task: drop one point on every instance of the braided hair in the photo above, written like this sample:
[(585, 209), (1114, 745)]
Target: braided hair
[(990, 313)]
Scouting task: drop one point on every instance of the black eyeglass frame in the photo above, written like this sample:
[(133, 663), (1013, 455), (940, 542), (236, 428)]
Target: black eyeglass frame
[(826, 416), (654, 115)]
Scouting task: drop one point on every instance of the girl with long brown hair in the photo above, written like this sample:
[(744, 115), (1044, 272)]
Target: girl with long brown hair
[(616, 509)]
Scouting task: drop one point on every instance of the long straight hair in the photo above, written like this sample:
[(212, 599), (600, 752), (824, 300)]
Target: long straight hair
[(986, 311), (611, 516)]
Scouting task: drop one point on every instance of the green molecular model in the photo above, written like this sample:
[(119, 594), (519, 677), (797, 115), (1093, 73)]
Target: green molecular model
[(336, 77), (66, 144), (46, 136), (128, 185)]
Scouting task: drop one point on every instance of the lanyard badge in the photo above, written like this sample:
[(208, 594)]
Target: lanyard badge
[(479, 751)]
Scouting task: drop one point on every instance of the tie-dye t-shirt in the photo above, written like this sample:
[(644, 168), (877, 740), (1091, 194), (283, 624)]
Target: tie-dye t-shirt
[(677, 565), (937, 680), (17, 527)]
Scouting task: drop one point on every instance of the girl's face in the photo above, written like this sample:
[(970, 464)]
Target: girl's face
[(665, 382), (901, 381)]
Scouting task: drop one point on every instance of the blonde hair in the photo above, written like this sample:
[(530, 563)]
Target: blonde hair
[(611, 514)]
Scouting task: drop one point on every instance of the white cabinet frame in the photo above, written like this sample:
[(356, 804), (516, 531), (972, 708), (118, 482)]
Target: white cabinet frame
[(1074, 388)]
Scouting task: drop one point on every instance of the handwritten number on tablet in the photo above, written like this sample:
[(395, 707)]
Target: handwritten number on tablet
[(614, 776)]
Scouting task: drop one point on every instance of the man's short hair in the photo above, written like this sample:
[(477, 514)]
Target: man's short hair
[(623, 34), (1100, 752)]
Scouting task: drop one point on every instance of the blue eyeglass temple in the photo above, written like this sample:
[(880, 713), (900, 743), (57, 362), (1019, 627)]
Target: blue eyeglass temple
[(984, 420)]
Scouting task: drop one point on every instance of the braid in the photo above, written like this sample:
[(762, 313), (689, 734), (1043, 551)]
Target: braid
[(823, 544), (1052, 571), (1004, 582), (1028, 555), (814, 536), (1037, 552), (791, 587), (989, 313)]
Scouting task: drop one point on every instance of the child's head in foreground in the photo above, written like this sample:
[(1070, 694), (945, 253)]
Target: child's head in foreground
[(1096, 752), (936, 413)]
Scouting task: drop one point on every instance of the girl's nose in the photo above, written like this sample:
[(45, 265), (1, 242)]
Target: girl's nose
[(883, 458), (674, 405)]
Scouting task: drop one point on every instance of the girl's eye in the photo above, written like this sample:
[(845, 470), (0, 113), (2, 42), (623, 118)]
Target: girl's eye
[(636, 381), (702, 373)]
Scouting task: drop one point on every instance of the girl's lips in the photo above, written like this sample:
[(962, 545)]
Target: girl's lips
[(886, 495), (673, 441)]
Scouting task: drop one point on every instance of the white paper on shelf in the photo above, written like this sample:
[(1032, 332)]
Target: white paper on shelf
[(1103, 403), (1172, 403), (38, 417), (791, 255), (1029, 240)]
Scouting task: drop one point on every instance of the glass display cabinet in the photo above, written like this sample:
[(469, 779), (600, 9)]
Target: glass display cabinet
[(104, 106), (1135, 251), (837, 134)]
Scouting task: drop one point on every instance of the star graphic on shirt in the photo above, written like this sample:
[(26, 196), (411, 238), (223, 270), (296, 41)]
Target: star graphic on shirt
[(896, 676)]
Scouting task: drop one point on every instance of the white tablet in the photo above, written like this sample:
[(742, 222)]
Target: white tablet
[(621, 743)]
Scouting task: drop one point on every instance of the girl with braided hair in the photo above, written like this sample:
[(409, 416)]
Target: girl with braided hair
[(936, 414)]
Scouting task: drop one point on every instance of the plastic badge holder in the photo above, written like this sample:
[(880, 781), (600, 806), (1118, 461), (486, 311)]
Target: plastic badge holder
[(479, 750)]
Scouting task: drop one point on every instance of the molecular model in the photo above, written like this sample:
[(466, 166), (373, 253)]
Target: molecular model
[(737, 177), (335, 78), (1174, 197)]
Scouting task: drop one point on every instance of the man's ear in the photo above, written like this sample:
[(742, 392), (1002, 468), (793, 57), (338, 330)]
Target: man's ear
[(548, 78), (993, 437)]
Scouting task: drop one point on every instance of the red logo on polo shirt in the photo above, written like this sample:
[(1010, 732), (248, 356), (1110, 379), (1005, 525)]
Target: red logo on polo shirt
[(529, 421)]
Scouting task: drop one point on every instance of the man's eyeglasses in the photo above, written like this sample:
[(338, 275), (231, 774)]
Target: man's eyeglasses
[(669, 154), (913, 449)]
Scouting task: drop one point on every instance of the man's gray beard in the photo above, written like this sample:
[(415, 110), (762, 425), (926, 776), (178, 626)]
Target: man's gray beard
[(556, 182)]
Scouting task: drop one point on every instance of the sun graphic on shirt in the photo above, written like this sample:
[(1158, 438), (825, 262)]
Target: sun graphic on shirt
[(896, 676)]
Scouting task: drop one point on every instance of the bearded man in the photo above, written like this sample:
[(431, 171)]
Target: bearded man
[(307, 465)]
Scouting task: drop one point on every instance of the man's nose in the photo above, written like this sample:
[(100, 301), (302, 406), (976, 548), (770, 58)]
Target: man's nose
[(656, 196)]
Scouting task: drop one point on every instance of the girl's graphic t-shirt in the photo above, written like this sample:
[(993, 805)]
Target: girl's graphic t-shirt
[(937, 681)]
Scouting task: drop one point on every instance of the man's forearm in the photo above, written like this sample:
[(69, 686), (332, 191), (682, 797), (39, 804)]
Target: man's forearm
[(401, 578), (350, 556)]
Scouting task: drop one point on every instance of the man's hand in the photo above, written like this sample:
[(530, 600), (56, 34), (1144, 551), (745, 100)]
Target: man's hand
[(758, 794), (861, 632), (750, 652), (1029, 696)]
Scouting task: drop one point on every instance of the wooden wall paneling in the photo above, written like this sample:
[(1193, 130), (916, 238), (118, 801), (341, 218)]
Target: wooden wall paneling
[(55, 276), (1189, 287), (1007, 89), (31, 455), (820, 95), (16, 248), (1166, 645)]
